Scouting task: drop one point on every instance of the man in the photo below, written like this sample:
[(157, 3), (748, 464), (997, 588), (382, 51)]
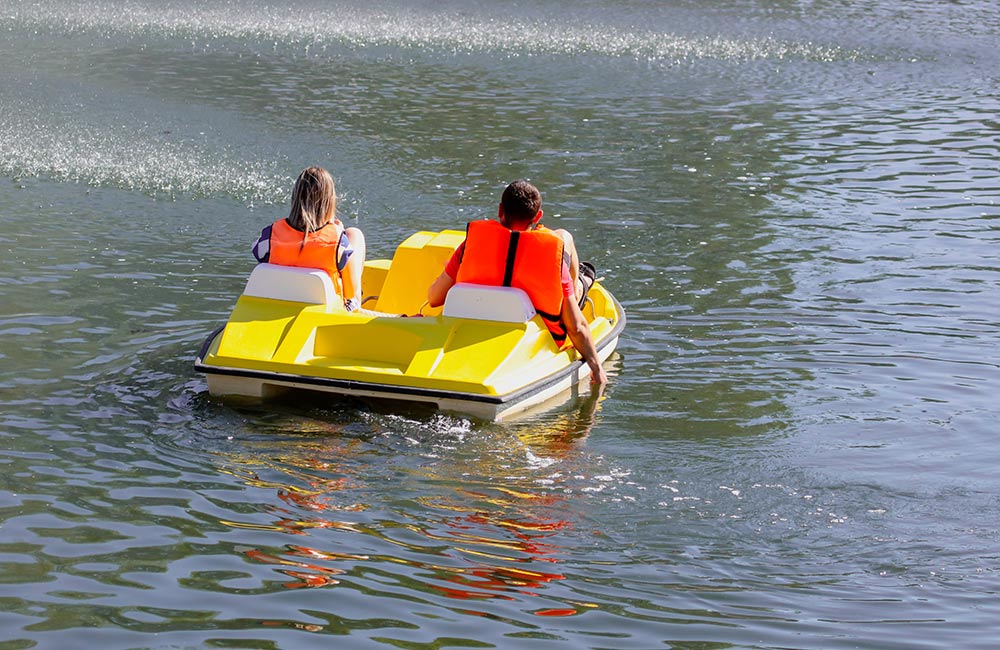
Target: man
[(520, 252)]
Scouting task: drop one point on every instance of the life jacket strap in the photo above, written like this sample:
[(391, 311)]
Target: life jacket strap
[(508, 271)]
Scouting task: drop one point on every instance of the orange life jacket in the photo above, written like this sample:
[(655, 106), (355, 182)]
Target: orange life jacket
[(320, 251), (530, 260)]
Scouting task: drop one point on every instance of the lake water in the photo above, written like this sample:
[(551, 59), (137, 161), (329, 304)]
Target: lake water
[(795, 201)]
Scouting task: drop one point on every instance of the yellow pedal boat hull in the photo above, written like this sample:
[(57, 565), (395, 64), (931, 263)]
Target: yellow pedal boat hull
[(480, 356)]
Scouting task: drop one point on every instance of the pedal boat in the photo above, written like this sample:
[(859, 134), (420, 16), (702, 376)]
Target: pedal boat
[(485, 354)]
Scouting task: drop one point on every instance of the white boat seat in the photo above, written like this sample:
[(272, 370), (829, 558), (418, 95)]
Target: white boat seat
[(483, 302), (291, 283)]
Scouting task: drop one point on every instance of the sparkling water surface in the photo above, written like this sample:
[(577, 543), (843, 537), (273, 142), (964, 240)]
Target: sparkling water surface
[(796, 202)]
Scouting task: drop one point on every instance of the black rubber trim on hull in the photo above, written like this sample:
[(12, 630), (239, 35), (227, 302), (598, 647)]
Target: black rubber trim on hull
[(391, 390)]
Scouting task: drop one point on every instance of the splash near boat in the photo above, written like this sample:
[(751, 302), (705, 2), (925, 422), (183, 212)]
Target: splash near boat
[(485, 353)]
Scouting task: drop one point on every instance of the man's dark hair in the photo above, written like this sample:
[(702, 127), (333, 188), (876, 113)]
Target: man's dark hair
[(521, 201)]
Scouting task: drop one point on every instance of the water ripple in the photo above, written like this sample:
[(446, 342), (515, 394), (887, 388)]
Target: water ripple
[(137, 152), (429, 31)]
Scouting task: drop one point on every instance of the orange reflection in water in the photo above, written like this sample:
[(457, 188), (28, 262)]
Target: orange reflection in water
[(305, 574), (496, 530), (494, 573), (498, 527), (485, 582), (304, 485), (555, 612)]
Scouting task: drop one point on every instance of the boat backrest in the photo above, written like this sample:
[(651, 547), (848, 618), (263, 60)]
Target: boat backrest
[(295, 284), (482, 302), (415, 265)]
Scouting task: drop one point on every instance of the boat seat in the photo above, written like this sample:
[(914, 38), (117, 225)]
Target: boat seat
[(483, 302), (291, 283)]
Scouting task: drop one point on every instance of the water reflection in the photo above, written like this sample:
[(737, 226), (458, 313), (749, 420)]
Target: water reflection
[(557, 431), (466, 513)]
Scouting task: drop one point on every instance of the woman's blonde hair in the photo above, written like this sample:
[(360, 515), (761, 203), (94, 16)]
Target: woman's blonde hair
[(314, 200)]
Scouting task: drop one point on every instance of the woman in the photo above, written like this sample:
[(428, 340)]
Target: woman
[(312, 236)]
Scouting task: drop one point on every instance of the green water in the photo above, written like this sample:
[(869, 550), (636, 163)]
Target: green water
[(795, 203)]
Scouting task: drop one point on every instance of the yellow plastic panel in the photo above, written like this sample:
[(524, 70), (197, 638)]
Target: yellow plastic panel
[(373, 279), (257, 327), (370, 344), (475, 349), (416, 264), (535, 358)]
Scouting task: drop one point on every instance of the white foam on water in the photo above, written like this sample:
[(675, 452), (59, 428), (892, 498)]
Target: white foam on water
[(120, 149), (437, 31)]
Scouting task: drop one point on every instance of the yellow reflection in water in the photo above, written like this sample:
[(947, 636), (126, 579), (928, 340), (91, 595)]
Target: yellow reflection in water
[(505, 528), (491, 527)]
